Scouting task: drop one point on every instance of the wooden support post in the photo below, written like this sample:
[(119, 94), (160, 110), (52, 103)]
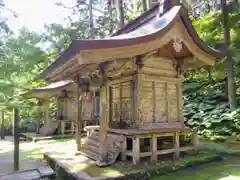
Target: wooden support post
[(2, 125), (195, 140), (134, 102), (39, 118), (176, 146), (62, 127), (124, 148), (79, 117), (136, 150), (154, 148), (16, 139), (46, 112), (72, 127), (103, 161), (154, 101), (180, 104)]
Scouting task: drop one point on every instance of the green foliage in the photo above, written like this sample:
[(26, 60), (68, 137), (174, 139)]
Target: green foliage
[(206, 109)]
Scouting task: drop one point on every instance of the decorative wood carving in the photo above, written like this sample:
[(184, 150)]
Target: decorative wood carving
[(121, 67)]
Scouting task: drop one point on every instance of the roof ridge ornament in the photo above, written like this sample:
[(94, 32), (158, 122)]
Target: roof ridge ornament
[(177, 44)]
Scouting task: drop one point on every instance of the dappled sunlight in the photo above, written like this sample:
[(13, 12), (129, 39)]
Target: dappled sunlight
[(230, 178)]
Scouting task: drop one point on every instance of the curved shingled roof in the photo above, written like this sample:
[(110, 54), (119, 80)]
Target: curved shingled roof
[(147, 31)]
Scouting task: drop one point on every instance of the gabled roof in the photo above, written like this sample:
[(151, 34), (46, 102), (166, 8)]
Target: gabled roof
[(142, 33)]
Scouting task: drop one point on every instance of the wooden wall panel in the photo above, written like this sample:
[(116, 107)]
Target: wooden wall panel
[(172, 102), (146, 101), (159, 66), (158, 102), (161, 110)]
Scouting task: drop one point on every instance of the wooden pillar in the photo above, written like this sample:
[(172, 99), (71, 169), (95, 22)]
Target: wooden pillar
[(73, 127), (103, 127), (124, 148), (78, 132), (154, 101), (180, 103), (39, 117), (154, 148), (2, 125), (62, 127), (16, 139), (136, 150), (46, 112), (134, 102), (166, 101), (195, 140), (176, 146)]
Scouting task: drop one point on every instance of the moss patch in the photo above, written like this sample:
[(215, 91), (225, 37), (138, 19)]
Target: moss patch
[(225, 170), (120, 169)]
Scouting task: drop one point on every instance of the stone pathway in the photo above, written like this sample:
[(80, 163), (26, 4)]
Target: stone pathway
[(31, 154)]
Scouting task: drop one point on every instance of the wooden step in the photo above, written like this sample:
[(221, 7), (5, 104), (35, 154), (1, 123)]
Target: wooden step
[(90, 153), (92, 143)]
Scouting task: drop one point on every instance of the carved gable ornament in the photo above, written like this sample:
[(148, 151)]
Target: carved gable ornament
[(177, 44)]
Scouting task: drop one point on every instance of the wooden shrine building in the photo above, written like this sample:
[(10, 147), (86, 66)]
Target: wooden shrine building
[(63, 94), (139, 73)]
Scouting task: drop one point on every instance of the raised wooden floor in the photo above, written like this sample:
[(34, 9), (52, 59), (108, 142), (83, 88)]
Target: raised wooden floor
[(137, 144)]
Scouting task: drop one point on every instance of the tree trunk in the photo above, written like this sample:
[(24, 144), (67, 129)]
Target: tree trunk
[(2, 125), (229, 60), (91, 19), (120, 14), (110, 10), (145, 5), (16, 139), (210, 78)]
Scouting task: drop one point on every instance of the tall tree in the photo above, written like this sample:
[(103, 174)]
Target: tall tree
[(118, 5), (91, 23), (229, 59), (145, 5)]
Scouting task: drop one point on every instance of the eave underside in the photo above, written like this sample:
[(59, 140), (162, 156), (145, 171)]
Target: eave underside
[(158, 34), (51, 90)]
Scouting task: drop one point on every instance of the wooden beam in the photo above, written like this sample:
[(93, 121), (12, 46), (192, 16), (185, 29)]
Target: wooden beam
[(2, 125), (16, 139)]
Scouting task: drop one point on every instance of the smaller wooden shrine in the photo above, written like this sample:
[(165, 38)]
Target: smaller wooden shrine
[(63, 94), (139, 73)]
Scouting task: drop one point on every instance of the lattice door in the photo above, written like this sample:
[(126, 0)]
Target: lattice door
[(121, 103)]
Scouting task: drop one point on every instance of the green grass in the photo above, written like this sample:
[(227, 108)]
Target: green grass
[(226, 170)]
